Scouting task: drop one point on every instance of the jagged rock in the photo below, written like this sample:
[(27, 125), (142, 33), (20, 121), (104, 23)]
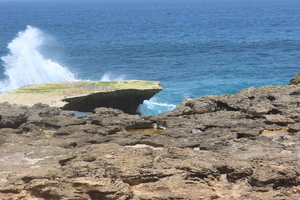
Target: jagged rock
[(278, 119), (12, 117), (212, 147), (295, 80)]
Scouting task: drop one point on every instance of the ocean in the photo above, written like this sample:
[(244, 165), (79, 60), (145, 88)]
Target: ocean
[(194, 47)]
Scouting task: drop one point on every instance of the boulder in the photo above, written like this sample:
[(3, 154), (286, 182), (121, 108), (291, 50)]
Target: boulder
[(12, 117)]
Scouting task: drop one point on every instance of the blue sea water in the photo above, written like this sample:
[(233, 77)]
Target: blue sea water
[(194, 47)]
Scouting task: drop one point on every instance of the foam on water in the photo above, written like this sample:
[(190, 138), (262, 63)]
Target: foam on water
[(153, 107), (25, 65), (109, 77)]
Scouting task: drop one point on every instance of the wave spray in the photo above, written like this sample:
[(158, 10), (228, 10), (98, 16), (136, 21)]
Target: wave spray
[(153, 107), (25, 65)]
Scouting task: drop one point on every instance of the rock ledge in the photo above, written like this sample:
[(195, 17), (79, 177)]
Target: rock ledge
[(85, 96)]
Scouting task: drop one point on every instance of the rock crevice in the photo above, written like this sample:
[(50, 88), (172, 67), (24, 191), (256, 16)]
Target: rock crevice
[(214, 147)]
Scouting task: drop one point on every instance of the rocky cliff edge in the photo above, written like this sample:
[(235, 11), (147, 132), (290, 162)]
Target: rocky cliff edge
[(85, 96)]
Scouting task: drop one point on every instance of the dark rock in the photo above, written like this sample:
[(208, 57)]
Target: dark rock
[(119, 99), (12, 117)]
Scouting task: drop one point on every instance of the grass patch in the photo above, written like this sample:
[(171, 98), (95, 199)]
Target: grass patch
[(134, 82), (44, 89), (112, 85), (104, 83)]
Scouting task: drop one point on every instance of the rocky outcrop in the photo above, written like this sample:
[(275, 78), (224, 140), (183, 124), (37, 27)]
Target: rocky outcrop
[(241, 146), (295, 80), (85, 96), (126, 100)]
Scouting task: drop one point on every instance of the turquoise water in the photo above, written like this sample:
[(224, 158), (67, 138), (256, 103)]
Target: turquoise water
[(193, 47)]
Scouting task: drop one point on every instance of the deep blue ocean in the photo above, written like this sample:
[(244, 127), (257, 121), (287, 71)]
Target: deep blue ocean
[(194, 47)]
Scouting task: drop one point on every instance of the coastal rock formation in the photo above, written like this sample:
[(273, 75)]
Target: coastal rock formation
[(85, 96), (241, 146), (295, 80)]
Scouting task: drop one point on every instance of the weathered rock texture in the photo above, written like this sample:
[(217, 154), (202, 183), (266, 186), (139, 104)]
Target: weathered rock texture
[(85, 96), (213, 147), (295, 80)]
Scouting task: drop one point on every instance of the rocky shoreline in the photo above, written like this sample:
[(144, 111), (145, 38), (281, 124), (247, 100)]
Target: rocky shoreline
[(85, 96), (241, 146)]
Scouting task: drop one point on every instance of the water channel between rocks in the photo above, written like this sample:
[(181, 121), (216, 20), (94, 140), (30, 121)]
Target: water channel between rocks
[(279, 133), (147, 130)]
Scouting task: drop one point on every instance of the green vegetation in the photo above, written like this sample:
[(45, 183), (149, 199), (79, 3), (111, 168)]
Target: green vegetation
[(120, 85), (295, 81), (104, 83), (46, 88), (134, 82), (111, 85)]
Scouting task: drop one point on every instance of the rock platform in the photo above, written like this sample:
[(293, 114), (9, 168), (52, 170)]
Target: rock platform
[(85, 96), (242, 146)]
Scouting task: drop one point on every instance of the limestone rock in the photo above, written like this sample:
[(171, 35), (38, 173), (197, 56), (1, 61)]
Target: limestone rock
[(85, 96), (295, 80), (210, 148)]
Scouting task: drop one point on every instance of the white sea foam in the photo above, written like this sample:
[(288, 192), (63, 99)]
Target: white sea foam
[(109, 77), (153, 107), (25, 65)]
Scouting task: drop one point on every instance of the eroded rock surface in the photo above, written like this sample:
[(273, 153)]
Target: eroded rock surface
[(214, 147), (85, 96), (295, 80)]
